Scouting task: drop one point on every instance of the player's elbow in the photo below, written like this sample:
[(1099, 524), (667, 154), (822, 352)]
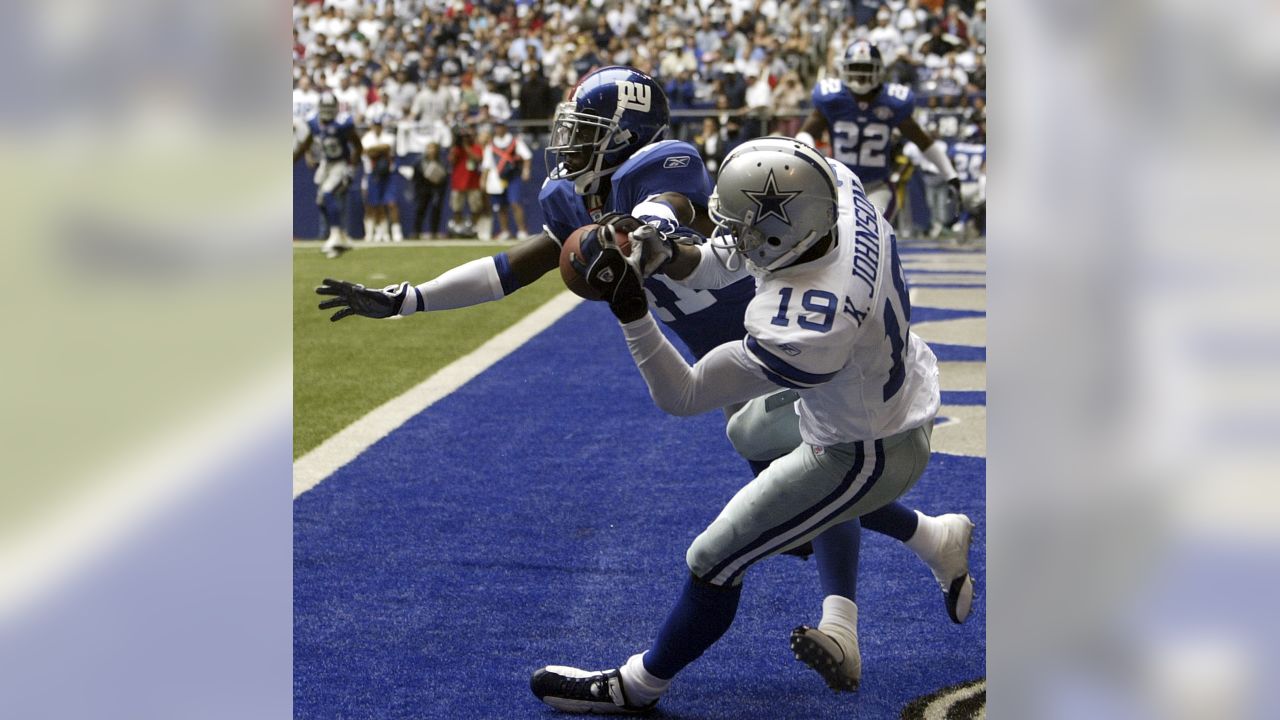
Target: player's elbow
[(680, 404), (671, 405)]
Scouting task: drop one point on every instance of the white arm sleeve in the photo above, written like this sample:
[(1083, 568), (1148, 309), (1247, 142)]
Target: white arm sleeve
[(724, 376), (710, 273), (468, 284), (937, 154)]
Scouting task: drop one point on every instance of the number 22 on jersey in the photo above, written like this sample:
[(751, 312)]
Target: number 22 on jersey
[(861, 146)]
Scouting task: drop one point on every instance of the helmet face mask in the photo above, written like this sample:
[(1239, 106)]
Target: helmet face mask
[(862, 68), (614, 112), (775, 198), (576, 138)]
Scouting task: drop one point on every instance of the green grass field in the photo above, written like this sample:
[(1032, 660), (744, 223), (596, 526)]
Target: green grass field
[(345, 369)]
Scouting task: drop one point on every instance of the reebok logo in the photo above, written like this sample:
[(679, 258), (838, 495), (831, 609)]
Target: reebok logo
[(677, 161)]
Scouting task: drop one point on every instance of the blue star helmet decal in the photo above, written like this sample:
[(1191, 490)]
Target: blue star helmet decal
[(771, 201)]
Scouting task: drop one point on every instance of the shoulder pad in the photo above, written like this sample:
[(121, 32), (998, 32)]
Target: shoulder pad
[(828, 87), (668, 153), (899, 95)]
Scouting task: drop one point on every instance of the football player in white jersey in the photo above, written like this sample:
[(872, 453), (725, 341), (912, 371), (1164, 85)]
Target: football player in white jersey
[(860, 111), (830, 320)]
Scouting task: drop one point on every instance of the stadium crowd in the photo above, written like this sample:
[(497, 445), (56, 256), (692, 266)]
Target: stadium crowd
[(444, 73)]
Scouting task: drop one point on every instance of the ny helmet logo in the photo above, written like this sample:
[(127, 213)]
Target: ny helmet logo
[(634, 96)]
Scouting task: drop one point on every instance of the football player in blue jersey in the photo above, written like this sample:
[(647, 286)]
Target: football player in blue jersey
[(340, 150), (611, 164), (970, 159), (860, 111)]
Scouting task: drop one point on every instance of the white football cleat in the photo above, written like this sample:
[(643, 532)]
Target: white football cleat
[(951, 565), (841, 668)]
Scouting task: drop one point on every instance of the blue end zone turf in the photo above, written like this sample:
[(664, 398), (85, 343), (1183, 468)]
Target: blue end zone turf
[(540, 515)]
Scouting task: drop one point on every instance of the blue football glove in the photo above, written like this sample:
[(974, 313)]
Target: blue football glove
[(354, 299)]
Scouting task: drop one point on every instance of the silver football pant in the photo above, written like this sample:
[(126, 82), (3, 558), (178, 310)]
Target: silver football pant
[(804, 492)]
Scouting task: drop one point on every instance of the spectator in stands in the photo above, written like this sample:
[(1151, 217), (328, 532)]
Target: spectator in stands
[(465, 158), (789, 96), (537, 98), (351, 98), (305, 98), (951, 79), (382, 215), (505, 166), (429, 190), (707, 39), (936, 45), (432, 103), (911, 21), (978, 78), (885, 36), (709, 144), (955, 25), (759, 102), (978, 25)]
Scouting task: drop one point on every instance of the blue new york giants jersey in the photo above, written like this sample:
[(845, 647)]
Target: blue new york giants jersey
[(968, 159), (335, 138), (861, 132), (702, 319)]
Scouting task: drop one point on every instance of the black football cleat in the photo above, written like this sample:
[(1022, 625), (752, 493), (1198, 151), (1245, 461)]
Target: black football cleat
[(581, 691)]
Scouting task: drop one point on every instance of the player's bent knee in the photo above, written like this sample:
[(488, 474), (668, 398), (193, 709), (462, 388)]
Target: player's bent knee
[(700, 558)]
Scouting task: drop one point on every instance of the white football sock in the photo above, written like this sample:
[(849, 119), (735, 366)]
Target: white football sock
[(397, 235), (640, 685), (368, 230), (840, 620), (924, 542)]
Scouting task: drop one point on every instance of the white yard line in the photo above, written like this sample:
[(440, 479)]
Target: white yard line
[(340, 449)]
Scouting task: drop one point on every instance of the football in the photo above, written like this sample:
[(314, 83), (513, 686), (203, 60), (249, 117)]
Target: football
[(570, 252)]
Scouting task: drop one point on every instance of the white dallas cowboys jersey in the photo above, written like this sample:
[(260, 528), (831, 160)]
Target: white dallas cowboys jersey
[(838, 330)]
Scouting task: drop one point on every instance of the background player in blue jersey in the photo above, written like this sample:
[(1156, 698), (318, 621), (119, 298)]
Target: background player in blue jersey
[(609, 158), (339, 151), (860, 112), (970, 159)]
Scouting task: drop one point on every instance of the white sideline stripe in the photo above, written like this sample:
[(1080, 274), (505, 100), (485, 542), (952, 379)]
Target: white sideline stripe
[(311, 469)]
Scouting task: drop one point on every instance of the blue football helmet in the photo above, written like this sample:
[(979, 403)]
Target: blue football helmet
[(328, 107), (612, 113), (862, 67)]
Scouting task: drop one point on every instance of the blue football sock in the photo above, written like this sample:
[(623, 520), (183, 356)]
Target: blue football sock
[(836, 552), (895, 520), (702, 614), (331, 210)]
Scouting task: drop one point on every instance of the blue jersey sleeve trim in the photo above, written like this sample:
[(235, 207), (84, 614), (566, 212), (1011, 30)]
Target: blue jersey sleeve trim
[(505, 276), (774, 365)]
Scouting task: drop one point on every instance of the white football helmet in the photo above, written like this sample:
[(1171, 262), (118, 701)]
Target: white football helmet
[(862, 67), (774, 199)]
